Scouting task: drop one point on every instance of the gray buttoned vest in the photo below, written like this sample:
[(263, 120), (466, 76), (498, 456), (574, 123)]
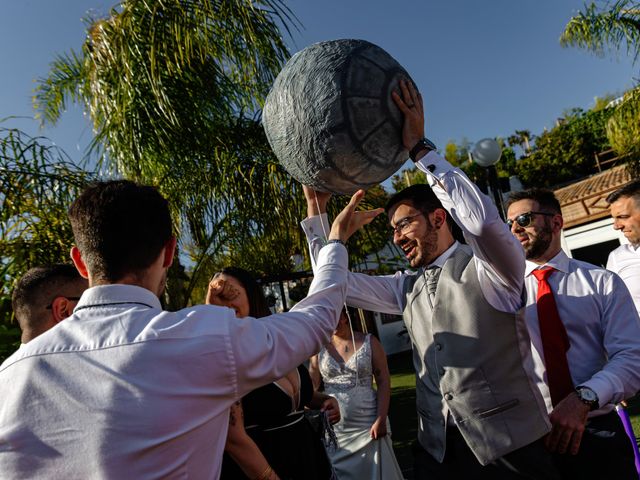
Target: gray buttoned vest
[(469, 359)]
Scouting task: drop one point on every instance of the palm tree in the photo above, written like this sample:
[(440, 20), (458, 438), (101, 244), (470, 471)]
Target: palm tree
[(614, 28), (598, 29), (522, 139), (174, 88), (37, 184)]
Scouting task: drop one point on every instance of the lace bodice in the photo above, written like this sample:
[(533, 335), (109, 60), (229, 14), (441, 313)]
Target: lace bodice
[(340, 376)]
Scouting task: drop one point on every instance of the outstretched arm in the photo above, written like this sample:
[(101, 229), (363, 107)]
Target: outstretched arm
[(378, 293), (266, 349)]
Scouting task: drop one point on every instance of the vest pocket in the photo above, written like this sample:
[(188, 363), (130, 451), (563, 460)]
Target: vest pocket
[(498, 409), (471, 398)]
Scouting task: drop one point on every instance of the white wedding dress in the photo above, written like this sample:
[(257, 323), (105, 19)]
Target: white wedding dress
[(357, 456)]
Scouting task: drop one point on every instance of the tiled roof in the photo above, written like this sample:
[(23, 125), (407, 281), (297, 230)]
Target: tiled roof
[(584, 201)]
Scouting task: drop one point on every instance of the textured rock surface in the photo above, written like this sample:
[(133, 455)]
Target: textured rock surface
[(330, 118)]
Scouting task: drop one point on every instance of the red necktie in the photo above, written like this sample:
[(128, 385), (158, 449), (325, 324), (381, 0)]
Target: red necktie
[(555, 342)]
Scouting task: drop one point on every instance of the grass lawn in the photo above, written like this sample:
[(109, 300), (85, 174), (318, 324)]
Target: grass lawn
[(402, 412)]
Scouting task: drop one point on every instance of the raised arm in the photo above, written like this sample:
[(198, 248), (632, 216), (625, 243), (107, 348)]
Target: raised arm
[(350, 220), (316, 201), (500, 258), (378, 293), (266, 349)]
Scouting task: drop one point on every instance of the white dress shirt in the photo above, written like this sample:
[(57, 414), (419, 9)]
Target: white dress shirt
[(602, 325), (122, 389), (625, 261), (498, 256)]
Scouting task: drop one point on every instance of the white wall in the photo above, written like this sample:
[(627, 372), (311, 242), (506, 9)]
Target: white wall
[(590, 234)]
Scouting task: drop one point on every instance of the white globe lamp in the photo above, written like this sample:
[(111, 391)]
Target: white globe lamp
[(486, 152)]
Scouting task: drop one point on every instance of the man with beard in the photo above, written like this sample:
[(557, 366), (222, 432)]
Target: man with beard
[(585, 335), (625, 260), (480, 415)]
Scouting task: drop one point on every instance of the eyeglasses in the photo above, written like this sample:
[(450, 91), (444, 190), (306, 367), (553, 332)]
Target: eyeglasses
[(524, 219), (73, 299), (402, 226)]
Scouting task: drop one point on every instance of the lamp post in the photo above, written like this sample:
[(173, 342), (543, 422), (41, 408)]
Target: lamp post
[(486, 153)]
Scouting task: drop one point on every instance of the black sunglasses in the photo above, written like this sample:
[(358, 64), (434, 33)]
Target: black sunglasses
[(524, 219), (74, 299)]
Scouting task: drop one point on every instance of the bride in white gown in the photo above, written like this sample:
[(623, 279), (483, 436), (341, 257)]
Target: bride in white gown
[(364, 447)]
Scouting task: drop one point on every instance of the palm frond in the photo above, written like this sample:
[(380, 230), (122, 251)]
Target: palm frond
[(602, 30), (63, 83)]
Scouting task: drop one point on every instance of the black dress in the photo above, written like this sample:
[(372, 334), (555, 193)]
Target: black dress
[(283, 435)]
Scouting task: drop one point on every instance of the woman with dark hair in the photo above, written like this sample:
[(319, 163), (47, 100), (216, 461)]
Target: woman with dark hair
[(249, 299), (268, 436)]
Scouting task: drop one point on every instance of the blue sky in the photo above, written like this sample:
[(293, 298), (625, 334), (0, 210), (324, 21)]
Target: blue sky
[(485, 68)]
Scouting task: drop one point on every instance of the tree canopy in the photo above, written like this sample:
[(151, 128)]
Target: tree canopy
[(38, 182), (623, 130), (556, 156), (613, 27), (567, 151), (173, 89)]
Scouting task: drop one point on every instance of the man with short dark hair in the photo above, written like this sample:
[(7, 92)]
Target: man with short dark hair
[(625, 260), (123, 389), (585, 335), (480, 415), (44, 296)]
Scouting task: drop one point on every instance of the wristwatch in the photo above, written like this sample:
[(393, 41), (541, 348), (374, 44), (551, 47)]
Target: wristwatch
[(588, 397), (423, 144)]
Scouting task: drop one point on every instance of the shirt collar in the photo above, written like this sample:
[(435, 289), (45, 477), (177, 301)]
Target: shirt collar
[(633, 249), (439, 262), (120, 294), (560, 262)]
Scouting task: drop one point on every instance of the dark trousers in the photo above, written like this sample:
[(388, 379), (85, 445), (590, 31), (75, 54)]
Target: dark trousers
[(529, 462), (605, 452)]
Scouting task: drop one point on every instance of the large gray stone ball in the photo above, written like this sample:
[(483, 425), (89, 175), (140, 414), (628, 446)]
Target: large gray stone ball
[(330, 118)]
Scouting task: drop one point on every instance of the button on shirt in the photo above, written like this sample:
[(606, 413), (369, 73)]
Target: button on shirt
[(602, 325), (625, 261), (123, 389)]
